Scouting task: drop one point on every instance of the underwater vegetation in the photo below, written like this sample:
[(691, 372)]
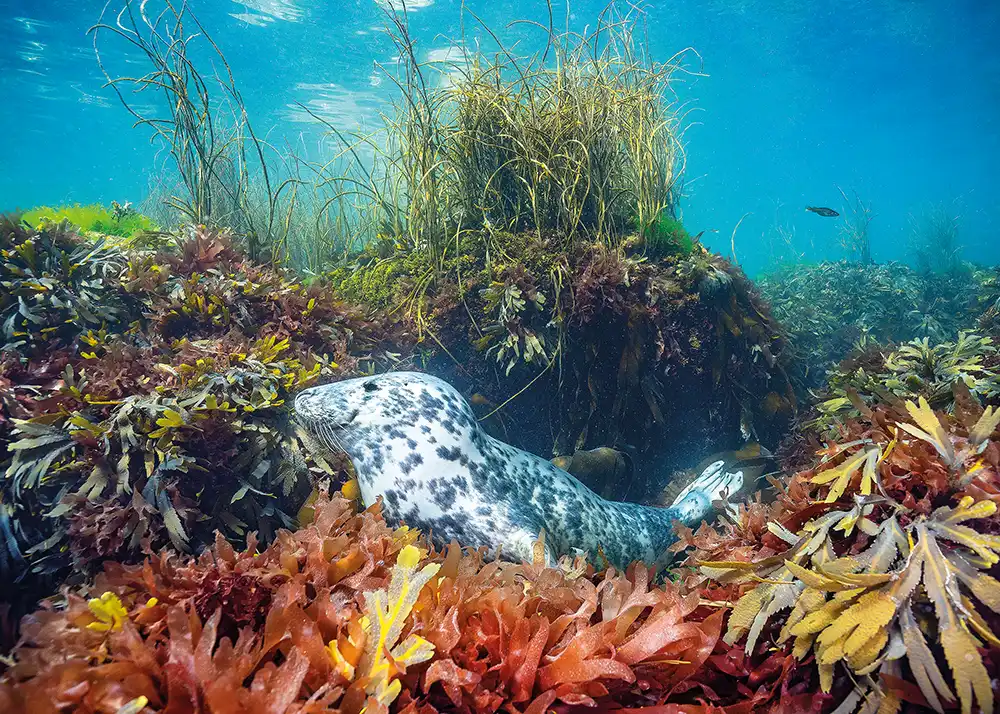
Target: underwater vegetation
[(934, 236), (871, 580), (662, 357), (144, 395), (578, 143), (914, 370), (829, 309), (216, 170), (519, 234), (348, 615), (833, 308), (855, 228), (54, 284), (119, 220)]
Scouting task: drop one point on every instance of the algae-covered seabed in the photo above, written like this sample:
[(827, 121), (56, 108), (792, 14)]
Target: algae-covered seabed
[(516, 230)]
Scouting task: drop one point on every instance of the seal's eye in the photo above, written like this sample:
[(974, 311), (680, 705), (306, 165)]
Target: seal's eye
[(370, 386)]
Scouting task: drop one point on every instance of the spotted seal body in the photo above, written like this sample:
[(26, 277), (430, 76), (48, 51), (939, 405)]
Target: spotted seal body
[(415, 441)]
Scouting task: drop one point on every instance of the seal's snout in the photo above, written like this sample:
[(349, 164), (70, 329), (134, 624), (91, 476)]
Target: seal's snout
[(304, 404), (330, 405), (312, 405)]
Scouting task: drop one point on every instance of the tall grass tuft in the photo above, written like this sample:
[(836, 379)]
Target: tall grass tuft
[(934, 239), (578, 141), (225, 174)]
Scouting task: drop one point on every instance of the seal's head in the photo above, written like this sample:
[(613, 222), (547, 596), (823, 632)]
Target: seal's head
[(382, 409)]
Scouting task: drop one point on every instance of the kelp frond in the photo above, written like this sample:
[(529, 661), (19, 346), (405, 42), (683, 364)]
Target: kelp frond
[(859, 610), (930, 430)]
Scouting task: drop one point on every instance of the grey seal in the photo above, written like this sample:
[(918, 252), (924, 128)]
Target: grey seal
[(415, 441)]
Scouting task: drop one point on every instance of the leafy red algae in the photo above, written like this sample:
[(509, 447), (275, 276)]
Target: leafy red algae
[(348, 615)]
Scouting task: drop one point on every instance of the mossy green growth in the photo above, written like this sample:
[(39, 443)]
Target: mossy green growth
[(385, 276), (116, 221), (377, 277), (667, 235)]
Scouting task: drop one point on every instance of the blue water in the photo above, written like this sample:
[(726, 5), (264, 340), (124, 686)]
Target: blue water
[(897, 99)]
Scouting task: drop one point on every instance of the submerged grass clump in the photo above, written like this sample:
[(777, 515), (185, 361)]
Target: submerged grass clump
[(580, 141)]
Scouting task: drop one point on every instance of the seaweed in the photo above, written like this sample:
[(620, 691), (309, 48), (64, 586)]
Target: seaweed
[(152, 424), (830, 310), (349, 615), (579, 143), (54, 283), (934, 237), (916, 370), (667, 235), (876, 562)]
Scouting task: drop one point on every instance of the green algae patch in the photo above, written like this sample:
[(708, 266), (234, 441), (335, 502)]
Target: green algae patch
[(118, 220), (667, 235)]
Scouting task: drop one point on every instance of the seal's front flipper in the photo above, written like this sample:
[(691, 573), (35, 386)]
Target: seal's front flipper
[(695, 502), (526, 546)]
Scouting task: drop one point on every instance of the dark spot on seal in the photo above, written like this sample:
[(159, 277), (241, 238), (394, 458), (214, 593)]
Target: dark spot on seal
[(411, 462), (444, 495), (449, 453)]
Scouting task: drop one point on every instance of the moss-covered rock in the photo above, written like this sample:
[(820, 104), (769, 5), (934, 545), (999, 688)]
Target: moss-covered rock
[(565, 349)]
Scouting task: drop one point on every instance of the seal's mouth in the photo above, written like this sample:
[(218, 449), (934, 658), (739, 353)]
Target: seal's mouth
[(347, 422)]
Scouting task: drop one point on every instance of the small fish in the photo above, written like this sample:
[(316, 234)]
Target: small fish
[(823, 211), (598, 468)]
